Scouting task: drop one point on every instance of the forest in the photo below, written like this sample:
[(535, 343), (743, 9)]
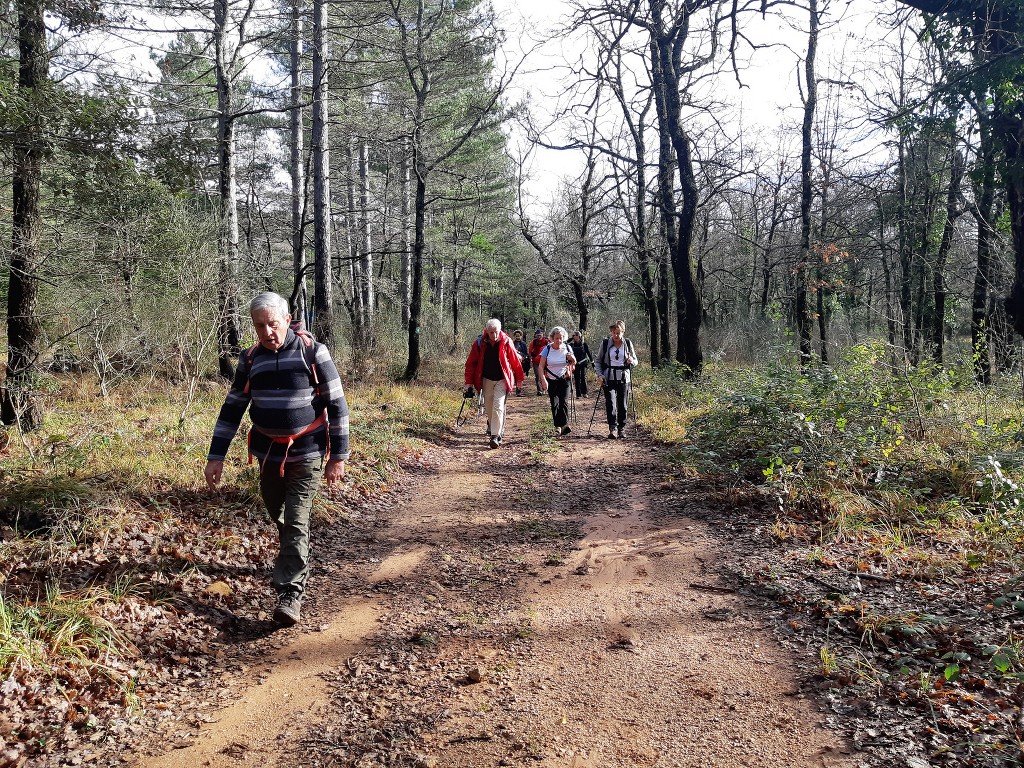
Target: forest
[(809, 214)]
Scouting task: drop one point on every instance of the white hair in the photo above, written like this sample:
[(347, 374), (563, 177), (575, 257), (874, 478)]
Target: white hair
[(494, 323), (558, 329), (272, 301)]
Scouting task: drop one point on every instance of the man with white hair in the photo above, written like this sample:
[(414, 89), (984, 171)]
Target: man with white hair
[(291, 388), (493, 367)]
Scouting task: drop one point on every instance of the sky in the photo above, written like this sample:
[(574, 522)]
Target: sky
[(768, 98)]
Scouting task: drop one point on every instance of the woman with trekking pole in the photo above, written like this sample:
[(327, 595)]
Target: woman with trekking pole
[(493, 369), (613, 364), (555, 368)]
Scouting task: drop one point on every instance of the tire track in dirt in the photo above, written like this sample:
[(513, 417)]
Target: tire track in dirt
[(287, 694), (287, 698)]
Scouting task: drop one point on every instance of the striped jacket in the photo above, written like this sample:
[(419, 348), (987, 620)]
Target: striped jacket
[(280, 400)]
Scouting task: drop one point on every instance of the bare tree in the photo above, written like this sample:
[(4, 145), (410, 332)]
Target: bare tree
[(323, 305)]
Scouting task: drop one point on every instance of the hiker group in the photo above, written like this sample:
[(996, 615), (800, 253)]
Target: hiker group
[(292, 391), (498, 363)]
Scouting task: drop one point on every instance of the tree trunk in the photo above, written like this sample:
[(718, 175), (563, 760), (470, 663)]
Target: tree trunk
[(688, 303), (323, 305), (295, 126), (666, 82), (905, 257), (647, 279), (366, 241), (803, 318), (938, 329), (890, 310), (664, 303), (19, 404), (355, 300), (229, 334), (456, 283), (984, 195), (416, 300), (407, 231), (778, 210)]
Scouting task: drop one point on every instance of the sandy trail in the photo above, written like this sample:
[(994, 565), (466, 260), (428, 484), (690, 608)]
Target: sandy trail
[(630, 660)]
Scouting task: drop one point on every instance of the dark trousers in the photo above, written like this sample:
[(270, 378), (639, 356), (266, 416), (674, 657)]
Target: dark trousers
[(615, 403), (558, 391), (579, 376), (289, 501)]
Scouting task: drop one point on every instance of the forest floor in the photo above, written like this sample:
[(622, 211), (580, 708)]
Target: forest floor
[(561, 602), (549, 603)]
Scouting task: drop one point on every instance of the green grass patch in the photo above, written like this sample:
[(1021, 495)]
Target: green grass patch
[(61, 634)]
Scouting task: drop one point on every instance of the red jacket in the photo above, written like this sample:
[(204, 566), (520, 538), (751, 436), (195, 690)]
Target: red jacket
[(507, 357), (536, 347)]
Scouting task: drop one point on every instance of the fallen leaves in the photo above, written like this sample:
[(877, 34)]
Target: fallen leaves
[(220, 589)]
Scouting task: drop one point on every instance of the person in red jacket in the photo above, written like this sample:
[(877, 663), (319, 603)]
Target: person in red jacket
[(493, 367), (540, 341)]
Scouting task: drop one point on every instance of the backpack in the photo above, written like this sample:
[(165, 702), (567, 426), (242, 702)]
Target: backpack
[(308, 343), (606, 353), (567, 349)]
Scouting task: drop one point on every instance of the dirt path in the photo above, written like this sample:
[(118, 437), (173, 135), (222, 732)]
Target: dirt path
[(539, 604)]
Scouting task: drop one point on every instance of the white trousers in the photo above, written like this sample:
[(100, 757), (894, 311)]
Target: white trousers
[(494, 405)]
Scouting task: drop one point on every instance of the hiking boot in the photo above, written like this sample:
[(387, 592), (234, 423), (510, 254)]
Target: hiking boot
[(495, 441), (611, 433), (565, 430), (286, 613), (622, 433)]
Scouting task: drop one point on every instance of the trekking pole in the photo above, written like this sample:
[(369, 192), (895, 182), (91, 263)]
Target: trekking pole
[(594, 413), (460, 420), (631, 406), (572, 401)]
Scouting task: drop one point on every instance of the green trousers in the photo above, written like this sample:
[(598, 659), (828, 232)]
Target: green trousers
[(289, 501)]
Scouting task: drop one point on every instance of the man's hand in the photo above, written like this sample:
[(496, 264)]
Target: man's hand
[(335, 471), (213, 472)]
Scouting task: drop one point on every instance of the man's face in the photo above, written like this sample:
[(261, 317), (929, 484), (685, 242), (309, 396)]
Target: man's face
[(270, 328), (615, 331), (492, 333)]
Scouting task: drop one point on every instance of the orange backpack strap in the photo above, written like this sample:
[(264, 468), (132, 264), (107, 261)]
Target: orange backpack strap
[(308, 342), (250, 353)]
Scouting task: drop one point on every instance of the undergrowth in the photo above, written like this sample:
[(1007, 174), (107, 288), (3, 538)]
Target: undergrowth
[(857, 448)]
